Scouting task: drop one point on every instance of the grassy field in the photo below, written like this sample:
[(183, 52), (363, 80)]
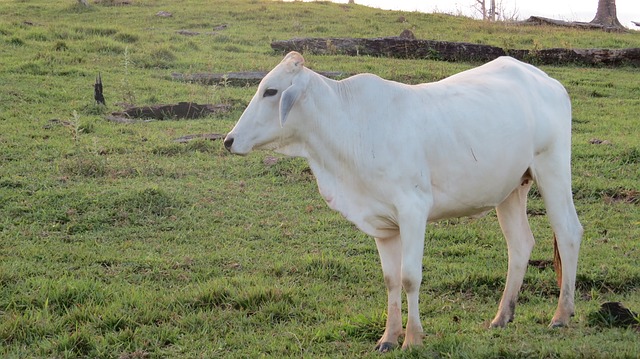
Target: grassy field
[(116, 242)]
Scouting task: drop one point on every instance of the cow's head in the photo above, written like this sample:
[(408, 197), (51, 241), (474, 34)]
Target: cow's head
[(261, 126)]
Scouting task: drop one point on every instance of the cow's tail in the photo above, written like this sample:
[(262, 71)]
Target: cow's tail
[(557, 261)]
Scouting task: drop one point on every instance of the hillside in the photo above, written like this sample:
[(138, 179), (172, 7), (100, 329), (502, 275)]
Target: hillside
[(118, 242)]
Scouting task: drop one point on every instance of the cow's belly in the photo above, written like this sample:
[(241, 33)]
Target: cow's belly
[(457, 190), (470, 197), (450, 211)]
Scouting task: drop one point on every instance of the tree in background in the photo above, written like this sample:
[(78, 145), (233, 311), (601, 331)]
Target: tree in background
[(492, 10), (606, 14), (488, 11)]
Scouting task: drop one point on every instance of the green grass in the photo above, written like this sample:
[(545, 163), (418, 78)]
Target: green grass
[(116, 242)]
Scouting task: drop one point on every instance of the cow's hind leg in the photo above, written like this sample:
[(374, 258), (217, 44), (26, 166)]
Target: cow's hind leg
[(390, 251), (512, 215), (553, 176)]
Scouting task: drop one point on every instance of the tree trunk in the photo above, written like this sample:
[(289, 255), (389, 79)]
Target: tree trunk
[(606, 14), (482, 8), (492, 10)]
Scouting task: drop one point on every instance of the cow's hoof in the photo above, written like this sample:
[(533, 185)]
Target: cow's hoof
[(558, 324), (499, 324), (385, 347)]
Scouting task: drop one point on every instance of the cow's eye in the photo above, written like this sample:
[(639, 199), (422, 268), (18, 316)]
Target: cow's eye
[(270, 92)]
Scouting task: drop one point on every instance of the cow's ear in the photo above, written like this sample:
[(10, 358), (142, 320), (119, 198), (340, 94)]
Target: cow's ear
[(291, 95), (293, 61), (288, 98)]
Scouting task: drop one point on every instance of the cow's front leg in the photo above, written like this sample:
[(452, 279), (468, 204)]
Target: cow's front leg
[(390, 251), (412, 229), (412, 250)]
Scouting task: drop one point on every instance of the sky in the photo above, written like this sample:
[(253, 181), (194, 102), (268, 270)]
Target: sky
[(568, 10)]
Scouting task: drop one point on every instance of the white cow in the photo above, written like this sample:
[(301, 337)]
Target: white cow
[(390, 157)]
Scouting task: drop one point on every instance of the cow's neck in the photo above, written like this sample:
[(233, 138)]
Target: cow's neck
[(329, 138)]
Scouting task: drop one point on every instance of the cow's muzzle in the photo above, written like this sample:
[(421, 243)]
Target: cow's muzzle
[(228, 142)]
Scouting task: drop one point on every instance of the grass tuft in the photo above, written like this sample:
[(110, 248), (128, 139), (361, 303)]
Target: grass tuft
[(84, 165), (251, 299), (67, 293), (16, 41), (630, 156), (96, 31), (212, 298), (149, 202), (360, 328), (126, 38), (606, 283), (329, 269), (80, 344), (158, 58)]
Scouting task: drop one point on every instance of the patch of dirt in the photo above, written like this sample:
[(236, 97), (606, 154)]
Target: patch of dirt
[(181, 110), (614, 314), (187, 32), (623, 196), (597, 141), (541, 263), (270, 160), (536, 211), (113, 2), (205, 136)]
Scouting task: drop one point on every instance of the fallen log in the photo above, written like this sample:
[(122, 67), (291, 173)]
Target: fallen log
[(398, 47), (591, 57), (539, 20), (181, 110), (455, 51), (238, 78)]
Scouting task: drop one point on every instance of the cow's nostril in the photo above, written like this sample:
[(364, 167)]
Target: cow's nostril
[(228, 142)]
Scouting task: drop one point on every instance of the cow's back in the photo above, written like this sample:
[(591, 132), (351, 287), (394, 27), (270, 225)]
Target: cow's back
[(520, 87)]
